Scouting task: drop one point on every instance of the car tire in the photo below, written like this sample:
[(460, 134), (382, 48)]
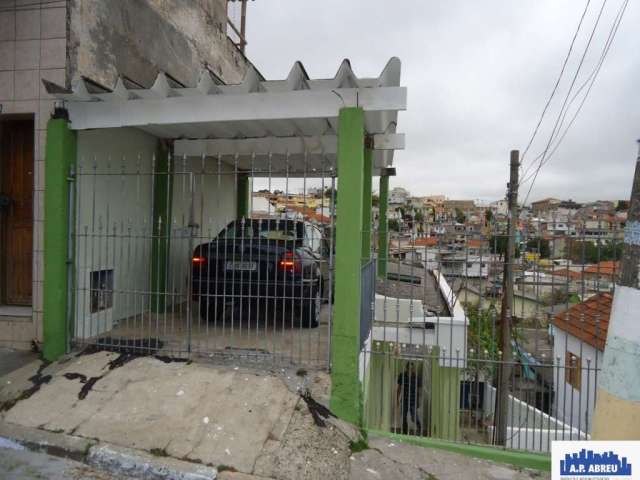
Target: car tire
[(311, 313)]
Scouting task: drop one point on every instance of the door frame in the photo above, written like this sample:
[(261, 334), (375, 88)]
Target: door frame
[(4, 119)]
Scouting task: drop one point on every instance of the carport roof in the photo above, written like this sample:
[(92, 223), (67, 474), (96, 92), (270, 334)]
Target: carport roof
[(292, 121)]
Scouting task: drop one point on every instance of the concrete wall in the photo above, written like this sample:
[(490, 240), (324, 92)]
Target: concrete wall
[(213, 196), (137, 38), (32, 48), (113, 222)]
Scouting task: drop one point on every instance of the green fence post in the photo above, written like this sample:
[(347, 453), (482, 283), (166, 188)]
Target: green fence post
[(346, 394), (242, 201), (160, 245), (366, 209), (383, 233), (60, 155)]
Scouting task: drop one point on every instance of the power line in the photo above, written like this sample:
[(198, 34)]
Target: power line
[(564, 104), (591, 78), (555, 87)]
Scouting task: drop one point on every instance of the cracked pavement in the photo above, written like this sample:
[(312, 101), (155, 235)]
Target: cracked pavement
[(251, 424)]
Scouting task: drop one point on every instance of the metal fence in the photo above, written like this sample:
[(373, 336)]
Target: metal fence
[(165, 264), (431, 364)]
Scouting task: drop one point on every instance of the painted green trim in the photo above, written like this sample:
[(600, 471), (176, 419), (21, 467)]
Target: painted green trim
[(445, 400), (346, 392), (160, 245), (60, 155), (535, 461), (242, 200), (366, 206), (383, 232)]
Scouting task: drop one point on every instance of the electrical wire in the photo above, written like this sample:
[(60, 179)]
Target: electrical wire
[(567, 96), (555, 87), (590, 81)]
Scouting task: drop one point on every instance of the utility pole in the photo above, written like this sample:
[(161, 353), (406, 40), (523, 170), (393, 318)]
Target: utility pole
[(505, 367), (617, 407)]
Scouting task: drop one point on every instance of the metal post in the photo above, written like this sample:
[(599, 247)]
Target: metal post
[(504, 366), (345, 334), (242, 201), (60, 156), (366, 199), (383, 232)]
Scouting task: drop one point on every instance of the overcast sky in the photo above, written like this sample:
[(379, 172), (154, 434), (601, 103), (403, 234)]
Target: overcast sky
[(478, 74)]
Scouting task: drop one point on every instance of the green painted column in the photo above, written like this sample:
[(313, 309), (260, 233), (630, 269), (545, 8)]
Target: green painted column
[(366, 202), (60, 155), (242, 200), (383, 232), (160, 246), (445, 400), (346, 394)]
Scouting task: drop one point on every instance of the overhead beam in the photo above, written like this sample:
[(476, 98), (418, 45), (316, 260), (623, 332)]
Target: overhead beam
[(261, 106), (314, 145)]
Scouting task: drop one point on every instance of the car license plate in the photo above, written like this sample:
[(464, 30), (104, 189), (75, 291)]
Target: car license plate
[(242, 266)]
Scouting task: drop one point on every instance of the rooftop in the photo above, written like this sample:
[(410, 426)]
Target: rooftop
[(608, 268), (588, 321)]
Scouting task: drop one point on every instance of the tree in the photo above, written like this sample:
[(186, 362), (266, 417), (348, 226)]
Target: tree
[(539, 245), (488, 215), (394, 225), (593, 252), (419, 216), (375, 200), (460, 218), (498, 245)]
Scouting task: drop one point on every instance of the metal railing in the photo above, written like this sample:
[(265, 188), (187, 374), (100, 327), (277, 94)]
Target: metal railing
[(165, 263), (432, 364)]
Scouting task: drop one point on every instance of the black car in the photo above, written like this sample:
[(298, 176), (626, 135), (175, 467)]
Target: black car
[(268, 265)]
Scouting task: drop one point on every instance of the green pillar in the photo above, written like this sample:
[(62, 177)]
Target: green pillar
[(162, 200), (445, 400), (383, 233), (366, 202), (242, 200), (346, 392), (60, 155)]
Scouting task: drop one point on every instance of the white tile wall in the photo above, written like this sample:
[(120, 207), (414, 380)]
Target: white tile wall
[(32, 48)]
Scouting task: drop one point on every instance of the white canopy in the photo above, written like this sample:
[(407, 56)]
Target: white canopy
[(292, 122)]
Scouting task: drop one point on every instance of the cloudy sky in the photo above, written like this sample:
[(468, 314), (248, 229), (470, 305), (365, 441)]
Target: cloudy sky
[(478, 75)]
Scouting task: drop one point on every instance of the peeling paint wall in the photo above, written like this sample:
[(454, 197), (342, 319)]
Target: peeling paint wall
[(138, 38)]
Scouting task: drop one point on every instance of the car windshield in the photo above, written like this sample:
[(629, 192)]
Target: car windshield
[(270, 229)]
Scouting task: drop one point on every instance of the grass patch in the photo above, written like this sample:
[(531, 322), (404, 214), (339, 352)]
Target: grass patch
[(358, 446), (158, 452)]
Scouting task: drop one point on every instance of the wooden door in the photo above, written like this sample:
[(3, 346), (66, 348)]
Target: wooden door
[(16, 198)]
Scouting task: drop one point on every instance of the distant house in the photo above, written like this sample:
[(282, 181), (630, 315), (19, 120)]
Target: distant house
[(541, 206), (580, 333), (398, 196)]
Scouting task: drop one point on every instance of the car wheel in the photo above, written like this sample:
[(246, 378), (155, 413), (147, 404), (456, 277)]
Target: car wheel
[(311, 313)]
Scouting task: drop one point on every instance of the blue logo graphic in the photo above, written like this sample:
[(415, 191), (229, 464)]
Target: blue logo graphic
[(586, 463)]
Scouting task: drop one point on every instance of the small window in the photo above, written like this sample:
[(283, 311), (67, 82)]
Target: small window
[(572, 370), (101, 290)]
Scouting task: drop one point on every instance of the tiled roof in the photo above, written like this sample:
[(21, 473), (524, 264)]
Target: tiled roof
[(608, 268), (565, 272), (426, 242), (588, 321)]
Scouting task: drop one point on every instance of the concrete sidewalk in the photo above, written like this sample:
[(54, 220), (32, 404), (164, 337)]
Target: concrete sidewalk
[(133, 413)]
